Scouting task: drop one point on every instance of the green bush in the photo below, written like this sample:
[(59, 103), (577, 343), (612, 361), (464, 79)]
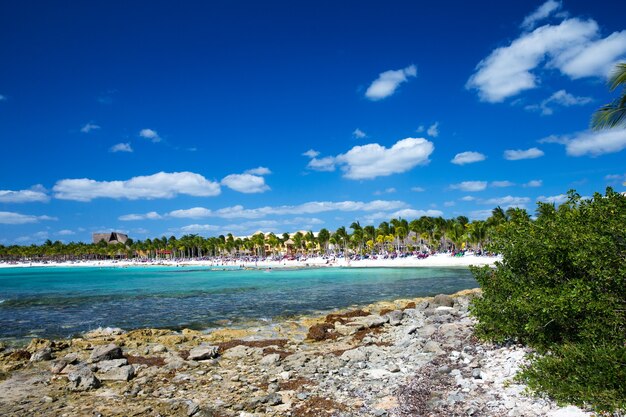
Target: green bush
[(561, 289)]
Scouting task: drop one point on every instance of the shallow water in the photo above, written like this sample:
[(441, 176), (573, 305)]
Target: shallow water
[(61, 302)]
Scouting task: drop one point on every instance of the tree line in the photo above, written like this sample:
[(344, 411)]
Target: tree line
[(425, 234)]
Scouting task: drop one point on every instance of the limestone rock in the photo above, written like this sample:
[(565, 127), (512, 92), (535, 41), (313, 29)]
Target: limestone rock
[(106, 352), (82, 379), (395, 317), (355, 355), (348, 329), (203, 352), (270, 359), (122, 373), (432, 346), (106, 366), (44, 354), (443, 300)]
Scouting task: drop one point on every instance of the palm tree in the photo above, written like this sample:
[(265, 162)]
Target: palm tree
[(613, 114), (309, 238), (342, 237), (323, 237)]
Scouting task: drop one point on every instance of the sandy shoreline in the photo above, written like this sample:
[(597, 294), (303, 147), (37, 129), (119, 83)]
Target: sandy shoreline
[(434, 261)]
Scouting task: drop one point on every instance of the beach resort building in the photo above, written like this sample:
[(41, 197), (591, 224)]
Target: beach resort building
[(110, 238)]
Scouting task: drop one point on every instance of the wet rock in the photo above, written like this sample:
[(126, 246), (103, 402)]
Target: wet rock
[(82, 379), (203, 352), (42, 355), (103, 332), (106, 352)]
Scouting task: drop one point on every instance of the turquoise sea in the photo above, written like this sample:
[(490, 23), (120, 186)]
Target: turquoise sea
[(61, 302)]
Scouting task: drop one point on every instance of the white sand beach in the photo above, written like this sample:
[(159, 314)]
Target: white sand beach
[(442, 260)]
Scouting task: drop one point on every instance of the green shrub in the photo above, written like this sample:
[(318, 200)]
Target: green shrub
[(561, 289)]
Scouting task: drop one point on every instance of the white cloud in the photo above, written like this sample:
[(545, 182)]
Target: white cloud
[(159, 185), (556, 199), (449, 204), (199, 228), (303, 220), (150, 134), (595, 59), (312, 207), (258, 171), (152, 215), (359, 134), (387, 82), (65, 232), (501, 184), (542, 12), (562, 98), (470, 186), (506, 71), (8, 217), (468, 158), (420, 129), (592, 143), (468, 198), (121, 147), (507, 201), (574, 47), (480, 214), (616, 178), (418, 189), (389, 190), (404, 214), (36, 193), (433, 130), (373, 160), (518, 154), (534, 183), (311, 153), (326, 164), (245, 183), (34, 238), (414, 214), (192, 213), (89, 127)]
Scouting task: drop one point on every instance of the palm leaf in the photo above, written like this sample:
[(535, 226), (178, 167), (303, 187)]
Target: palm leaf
[(613, 114)]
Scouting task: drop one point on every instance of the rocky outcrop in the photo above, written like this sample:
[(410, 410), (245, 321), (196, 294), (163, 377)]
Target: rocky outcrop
[(409, 358)]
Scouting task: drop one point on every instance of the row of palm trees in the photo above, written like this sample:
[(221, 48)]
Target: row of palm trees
[(397, 235)]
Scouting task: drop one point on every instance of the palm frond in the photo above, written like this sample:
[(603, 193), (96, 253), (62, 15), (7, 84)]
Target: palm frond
[(613, 114), (618, 76)]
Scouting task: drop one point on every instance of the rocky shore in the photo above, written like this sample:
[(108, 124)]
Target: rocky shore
[(406, 358)]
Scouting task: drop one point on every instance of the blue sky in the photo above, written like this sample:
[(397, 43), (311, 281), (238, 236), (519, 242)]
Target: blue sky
[(157, 118)]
